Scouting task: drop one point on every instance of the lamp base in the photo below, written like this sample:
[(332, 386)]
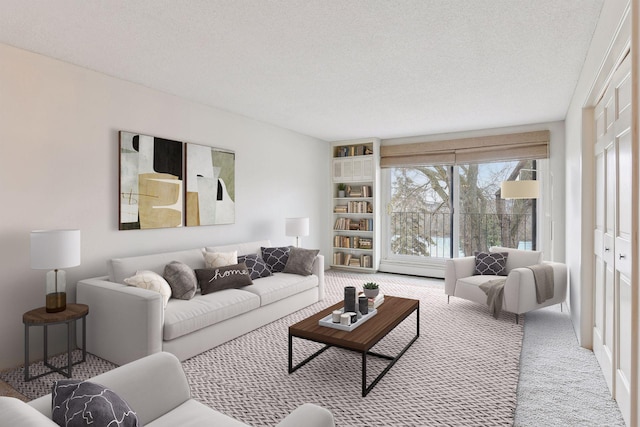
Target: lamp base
[(56, 291), (56, 302)]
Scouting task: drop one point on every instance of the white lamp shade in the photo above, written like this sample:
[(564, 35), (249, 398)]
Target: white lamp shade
[(55, 249), (297, 227), (522, 189)]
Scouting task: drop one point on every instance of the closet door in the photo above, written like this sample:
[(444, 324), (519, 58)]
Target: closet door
[(622, 242), (603, 328), (614, 197)]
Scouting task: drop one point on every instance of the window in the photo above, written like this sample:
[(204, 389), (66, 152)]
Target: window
[(441, 210)]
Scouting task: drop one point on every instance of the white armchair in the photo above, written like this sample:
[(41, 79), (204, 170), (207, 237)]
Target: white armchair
[(519, 289)]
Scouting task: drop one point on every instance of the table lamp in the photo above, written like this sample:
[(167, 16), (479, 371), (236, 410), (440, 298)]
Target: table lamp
[(297, 227), (54, 250)]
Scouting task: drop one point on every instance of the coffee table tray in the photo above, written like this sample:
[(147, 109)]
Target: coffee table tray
[(326, 321)]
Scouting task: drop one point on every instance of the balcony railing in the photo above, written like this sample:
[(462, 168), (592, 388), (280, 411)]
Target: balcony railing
[(429, 234)]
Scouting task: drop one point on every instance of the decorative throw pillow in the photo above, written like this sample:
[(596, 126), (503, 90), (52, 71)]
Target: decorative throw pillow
[(152, 281), (84, 403), (276, 258), (182, 280), (491, 264), (220, 259), (220, 278), (301, 261), (256, 265)]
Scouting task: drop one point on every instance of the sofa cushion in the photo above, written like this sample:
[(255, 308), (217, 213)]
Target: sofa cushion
[(121, 268), (242, 248), (256, 265), (221, 278), (469, 288), (220, 259), (519, 258), (182, 317), (301, 261), (152, 281), (78, 403), (280, 286), (182, 280), (494, 263), (276, 258), (15, 412)]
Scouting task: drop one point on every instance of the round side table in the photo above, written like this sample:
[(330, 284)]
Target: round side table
[(40, 317)]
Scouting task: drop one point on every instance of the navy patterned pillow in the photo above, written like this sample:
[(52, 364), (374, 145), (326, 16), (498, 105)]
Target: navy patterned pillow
[(491, 263), (256, 265), (83, 403), (276, 258)]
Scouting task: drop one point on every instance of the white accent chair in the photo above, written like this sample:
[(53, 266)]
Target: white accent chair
[(519, 289)]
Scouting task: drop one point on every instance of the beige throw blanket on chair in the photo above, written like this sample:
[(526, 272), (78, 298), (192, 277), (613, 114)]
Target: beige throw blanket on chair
[(494, 289), (543, 278)]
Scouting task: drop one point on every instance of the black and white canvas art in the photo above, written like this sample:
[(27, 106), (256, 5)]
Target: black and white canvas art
[(210, 182)]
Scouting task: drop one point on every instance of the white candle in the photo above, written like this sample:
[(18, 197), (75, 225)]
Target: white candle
[(345, 319)]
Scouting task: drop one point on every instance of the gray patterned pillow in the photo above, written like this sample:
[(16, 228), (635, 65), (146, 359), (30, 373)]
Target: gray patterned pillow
[(301, 261), (256, 265), (491, 264), (276, 258), (221, 278), (84, 403), (181, 279)]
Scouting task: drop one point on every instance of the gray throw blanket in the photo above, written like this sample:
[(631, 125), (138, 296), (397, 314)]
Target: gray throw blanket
[(543, 277), (494, 290)]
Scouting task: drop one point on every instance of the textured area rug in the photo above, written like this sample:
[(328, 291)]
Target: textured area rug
[(463, 370)]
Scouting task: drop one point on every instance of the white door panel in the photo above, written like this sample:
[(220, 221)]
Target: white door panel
[(613, 228)]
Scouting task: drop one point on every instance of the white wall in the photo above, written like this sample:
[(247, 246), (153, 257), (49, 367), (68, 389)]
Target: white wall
[(59, 128), (579, 176)]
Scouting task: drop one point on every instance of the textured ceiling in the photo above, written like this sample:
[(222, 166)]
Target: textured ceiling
[(333, 69)]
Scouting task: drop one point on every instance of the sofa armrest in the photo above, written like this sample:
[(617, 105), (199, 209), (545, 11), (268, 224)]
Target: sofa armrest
[(14, 412), (152, 386), (318, 270), (308, 415), (457, 268), (520, 291), (124, 322)]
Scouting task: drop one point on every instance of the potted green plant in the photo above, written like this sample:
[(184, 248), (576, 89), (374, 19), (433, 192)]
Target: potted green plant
[(341, 188), (371, 289)]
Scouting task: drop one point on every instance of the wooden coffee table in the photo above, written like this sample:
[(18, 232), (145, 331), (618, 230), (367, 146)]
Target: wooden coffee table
[(390, 314)]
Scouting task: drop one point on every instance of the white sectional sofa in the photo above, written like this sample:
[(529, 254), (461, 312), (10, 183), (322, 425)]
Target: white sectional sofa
[(126, 323), (156, 388)]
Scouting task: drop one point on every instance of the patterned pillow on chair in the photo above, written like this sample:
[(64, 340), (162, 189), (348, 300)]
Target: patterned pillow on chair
[(491, 263)]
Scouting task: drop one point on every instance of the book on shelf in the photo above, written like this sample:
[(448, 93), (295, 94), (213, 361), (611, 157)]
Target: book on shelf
[(354, 262), (359, 207), (366, 261), (359, 191), (338, 258), (341, 209), (365, 243), (353, 150), (363, 224)]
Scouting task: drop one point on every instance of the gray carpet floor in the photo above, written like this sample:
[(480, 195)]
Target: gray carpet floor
[(561, 383)]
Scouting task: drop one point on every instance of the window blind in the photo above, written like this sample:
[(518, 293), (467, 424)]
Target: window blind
[(515, 146)]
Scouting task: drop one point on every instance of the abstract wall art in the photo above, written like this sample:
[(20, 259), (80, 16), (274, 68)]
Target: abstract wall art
[(151, 182), (210, 184)]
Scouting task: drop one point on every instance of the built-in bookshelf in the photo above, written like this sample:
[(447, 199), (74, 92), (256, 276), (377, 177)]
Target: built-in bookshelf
[(355, 208)]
